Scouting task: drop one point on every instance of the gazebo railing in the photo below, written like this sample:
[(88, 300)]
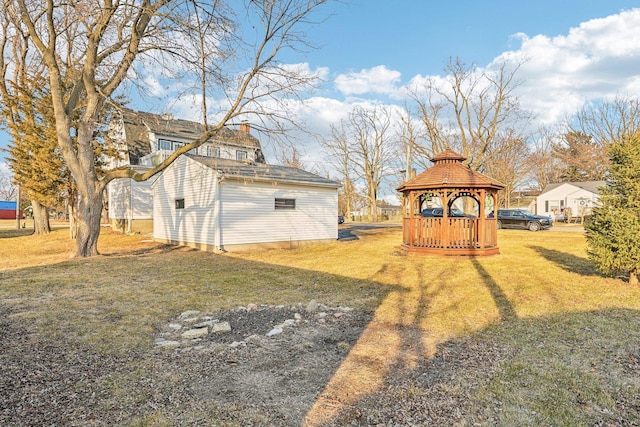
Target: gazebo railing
[(461, 233)]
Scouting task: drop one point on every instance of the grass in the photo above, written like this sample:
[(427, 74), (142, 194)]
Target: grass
[(533, 336)]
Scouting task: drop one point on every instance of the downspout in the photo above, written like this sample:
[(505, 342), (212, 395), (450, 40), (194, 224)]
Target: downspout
[(130, 213), (217, 212)]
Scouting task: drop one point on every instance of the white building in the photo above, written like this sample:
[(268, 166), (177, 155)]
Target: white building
[(143, 140), (577, 197), (225, 205)]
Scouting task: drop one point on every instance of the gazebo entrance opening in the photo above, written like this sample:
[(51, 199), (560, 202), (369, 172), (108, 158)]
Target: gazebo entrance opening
[(448, 209)]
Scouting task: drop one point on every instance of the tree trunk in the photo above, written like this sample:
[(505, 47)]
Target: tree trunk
[(41, 223), (88, 224), (72, 211), (633, 277)]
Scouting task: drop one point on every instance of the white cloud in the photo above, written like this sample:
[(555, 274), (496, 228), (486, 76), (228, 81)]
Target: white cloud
[(4, 169), (596, 60), (154, 86), (377, 80)]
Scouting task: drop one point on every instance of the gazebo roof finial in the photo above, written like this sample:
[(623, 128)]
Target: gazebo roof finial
[(448, 156)]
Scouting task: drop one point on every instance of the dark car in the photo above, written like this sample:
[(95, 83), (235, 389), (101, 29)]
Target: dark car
[(437, 212), (523, 219), (340, 219)]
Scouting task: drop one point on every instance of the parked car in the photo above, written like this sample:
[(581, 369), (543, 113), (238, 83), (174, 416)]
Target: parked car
[(340, 219), (523, 219), (437, 212)]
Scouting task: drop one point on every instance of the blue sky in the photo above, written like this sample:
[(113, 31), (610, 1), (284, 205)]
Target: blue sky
[(369, 50), (418, 36)]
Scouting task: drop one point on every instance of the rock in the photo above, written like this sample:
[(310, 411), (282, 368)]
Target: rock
[(297, 316), (237, 344), (198, 347), (321, 315), (195, 333), (167, 344), (205, 324), (274, 331), (312, 306), (338, 315), (221, 327), (175, 326), (251, 307), (189, 313)]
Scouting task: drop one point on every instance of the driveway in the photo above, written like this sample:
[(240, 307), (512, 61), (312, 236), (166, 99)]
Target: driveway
[(345, 231)]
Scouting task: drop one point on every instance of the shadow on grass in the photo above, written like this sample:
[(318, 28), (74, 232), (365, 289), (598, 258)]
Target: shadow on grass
[(568, 369), (88, 353), (505, 308), (74, 362), (570, 262), (7, 234)]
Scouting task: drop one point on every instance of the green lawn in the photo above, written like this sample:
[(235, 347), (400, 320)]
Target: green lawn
[(533, 336)]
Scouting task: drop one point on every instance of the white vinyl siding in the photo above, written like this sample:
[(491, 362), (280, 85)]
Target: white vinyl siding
[(125, 193), (247, 212), (195, 183), (565, 196)]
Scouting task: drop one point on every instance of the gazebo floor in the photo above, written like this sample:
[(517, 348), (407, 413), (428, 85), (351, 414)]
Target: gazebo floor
[(492, 250)]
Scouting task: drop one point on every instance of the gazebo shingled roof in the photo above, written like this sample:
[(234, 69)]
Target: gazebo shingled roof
[(447, 180), (448, 171)]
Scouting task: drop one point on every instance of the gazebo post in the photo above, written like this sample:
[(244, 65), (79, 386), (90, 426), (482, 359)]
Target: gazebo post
[(482, 216)]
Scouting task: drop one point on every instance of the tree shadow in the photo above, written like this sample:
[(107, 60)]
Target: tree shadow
[(505, 308), (562, 369), (569, 262), (93, 320)]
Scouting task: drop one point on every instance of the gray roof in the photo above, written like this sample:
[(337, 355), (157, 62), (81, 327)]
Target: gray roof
[(137, 125), (591, 186), (261, 172)]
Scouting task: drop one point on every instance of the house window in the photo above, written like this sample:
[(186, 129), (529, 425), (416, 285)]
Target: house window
[(179, 203), (285, 203), (164, 144), (241, 155), (213, 152)]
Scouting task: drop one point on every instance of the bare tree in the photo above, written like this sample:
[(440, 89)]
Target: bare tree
[(362, 149), (409, 137), (580, 157), (290, 155), (511, 168), (90, 48), (543, 167), (474, 112), (8, 190), (609, 121), (338, 149)]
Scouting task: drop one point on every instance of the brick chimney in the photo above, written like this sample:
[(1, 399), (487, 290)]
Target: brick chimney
[(245, 127)]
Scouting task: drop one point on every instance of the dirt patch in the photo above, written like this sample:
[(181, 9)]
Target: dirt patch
[(261, 381)]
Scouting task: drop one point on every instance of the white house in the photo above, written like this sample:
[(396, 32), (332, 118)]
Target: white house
[(578, 197), (143, 140), (226, 205)]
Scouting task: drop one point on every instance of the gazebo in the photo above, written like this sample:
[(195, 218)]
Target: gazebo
[(449, 209)]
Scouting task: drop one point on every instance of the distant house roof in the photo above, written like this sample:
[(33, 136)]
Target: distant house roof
[(255, 172), (448, 171), (591, 186), (138, 124), (7, 205)]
